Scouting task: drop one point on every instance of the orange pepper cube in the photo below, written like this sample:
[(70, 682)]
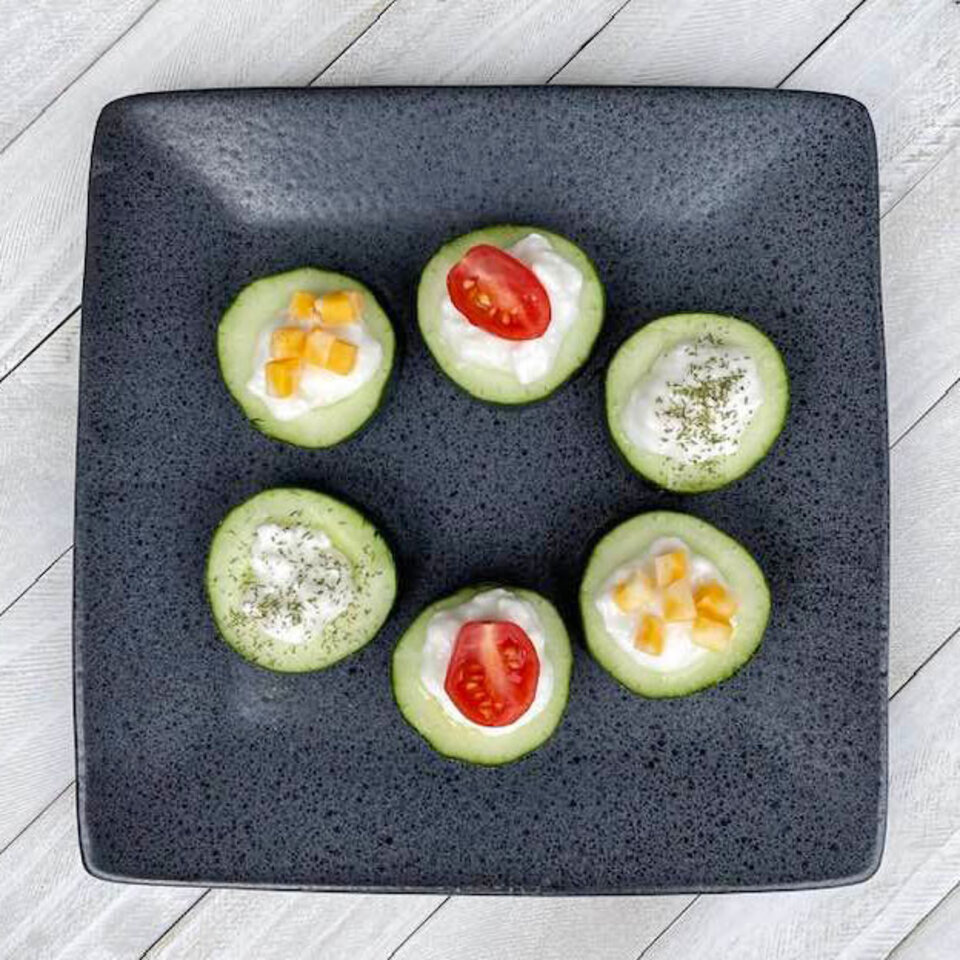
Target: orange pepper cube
[(649, 636), (340, 308), (711, 634), (301, 305), (634, 592), (670, 567), (678, 602), (287, 342), (715, 601), (343, 357), (317, 347), (283, 376)]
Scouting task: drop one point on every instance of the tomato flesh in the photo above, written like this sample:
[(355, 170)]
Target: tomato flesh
[(493, 672), (499, 293)]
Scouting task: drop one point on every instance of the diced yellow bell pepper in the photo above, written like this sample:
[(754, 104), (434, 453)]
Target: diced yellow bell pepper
[(715, 601), (670, 567), (283, 377), (649, 636), (343, 357), (678, 602), (287, 342), (318, 346), (339, 308), (301, 305), (633, 593), (711, 634)]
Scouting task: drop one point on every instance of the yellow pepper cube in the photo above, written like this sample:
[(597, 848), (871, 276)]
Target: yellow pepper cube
[(633, 593), (301, 305), (715, 601), (317, 347), (670, 567), (711, 634), (343, 357), (678, 602), (283, 376), (340, 308), (287, 342), (649, 636)]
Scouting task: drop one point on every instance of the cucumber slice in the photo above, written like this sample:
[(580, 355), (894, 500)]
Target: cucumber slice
[(258, 304), (452, 739), (638, 354), (633, 539), (499, 386), (229, 576)]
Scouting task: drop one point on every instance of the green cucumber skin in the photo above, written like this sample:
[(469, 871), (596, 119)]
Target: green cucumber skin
[(268, 426), (524, 743), (503, 235), (634, 458), (739, 568)]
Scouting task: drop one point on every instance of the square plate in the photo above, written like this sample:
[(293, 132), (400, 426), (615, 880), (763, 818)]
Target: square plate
[(197, 767)]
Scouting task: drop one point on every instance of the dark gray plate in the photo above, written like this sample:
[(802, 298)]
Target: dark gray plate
[(195, 766)]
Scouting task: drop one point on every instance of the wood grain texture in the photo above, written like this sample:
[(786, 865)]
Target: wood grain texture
[(177, 44), (937, 936), (51, 908), (551, 928), (38, 422), (46, 44), (434, 41), (723, 43), (265, 925), (921, 863), (36, 706)]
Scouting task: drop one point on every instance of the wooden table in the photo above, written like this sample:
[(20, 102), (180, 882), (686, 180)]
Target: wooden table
[(62, 60)]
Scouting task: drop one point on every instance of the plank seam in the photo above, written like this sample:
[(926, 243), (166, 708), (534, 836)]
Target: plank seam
[(360, 35), (28, 825), (418, 927), (593, 36), (663, 932), (936, 906), (35, 581), (37, 346), (173, 925)]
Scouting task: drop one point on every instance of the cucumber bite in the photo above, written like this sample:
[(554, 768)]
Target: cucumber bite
[(510, 312), (298, 580), (306, 354), (483, 675), (671, 605), (695, 400)]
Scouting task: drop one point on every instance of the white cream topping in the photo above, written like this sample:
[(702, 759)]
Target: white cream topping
[(695, 401), (527, 360), (679, 650), (442, 630), (318, 387), (301, 582)]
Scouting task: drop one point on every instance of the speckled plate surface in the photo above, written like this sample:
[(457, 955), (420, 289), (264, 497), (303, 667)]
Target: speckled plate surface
[(197, 767)]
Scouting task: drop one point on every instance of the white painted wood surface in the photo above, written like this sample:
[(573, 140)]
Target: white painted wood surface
[(900, 57)]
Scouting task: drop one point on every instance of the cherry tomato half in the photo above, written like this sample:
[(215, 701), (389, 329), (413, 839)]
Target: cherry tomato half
[(499, 293), (493, 672)]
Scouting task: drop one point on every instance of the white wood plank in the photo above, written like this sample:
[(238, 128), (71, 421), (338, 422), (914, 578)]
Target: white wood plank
[(36, 715), (178, 43), (434, 41), (38, 414), (259, 925), (51, 908), (921, 294), (706, 42), (937, 936), (552, 928), (45, 44), (921, 863), (901, 59)]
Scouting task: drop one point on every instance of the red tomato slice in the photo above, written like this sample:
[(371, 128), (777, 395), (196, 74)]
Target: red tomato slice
[(499, 294), (493, 672)]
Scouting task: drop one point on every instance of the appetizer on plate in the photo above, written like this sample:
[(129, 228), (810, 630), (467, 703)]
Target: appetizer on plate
[(297, 580), (306, 354), (483, 675), (510, 312), (671, 605), (695, 400)]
